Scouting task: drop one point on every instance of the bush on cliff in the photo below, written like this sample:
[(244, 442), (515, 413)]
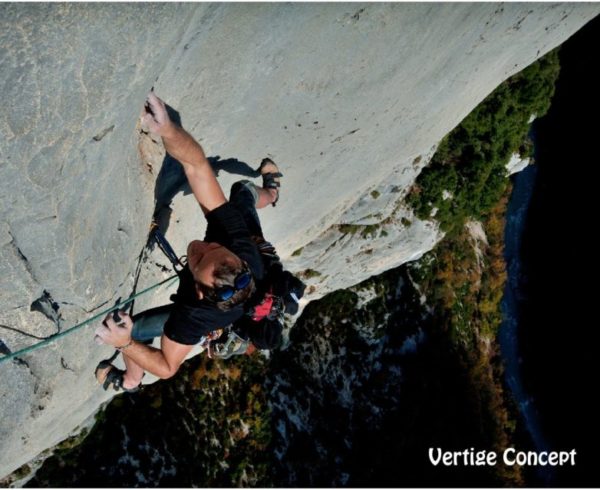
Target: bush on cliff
[(470, 162)]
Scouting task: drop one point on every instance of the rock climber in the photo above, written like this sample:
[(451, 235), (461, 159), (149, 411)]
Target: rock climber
[(221, 271)]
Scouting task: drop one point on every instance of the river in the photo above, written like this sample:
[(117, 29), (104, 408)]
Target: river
[(549, 339), (516, 219)]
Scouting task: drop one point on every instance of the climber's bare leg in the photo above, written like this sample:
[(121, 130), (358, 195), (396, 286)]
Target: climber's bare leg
[(265, 197), (133, 373)]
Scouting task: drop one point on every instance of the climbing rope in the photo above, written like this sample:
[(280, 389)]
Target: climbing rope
[(68, 331)]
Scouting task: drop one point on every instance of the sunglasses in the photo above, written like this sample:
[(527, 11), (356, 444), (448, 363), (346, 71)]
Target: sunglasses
[(223, 293)]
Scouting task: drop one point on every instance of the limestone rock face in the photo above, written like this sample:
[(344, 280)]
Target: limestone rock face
[(349, 99)]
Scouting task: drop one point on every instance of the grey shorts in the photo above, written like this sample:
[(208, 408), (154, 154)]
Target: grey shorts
[(150, 323)]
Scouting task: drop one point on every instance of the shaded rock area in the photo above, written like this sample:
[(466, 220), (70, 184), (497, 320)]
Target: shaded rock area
[(350, 99)]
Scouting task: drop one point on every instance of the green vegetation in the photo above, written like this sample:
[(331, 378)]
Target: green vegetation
[(310, 273), (465, 292), (297, 252), (73, 441), (340, 302), (470, 161), (213, 424), (369, 231), (467, 175), (20, 473), (349, 229), (366, 231), (461, 280), (451, 385)]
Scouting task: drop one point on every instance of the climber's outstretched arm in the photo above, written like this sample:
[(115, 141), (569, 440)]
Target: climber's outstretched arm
[(163, 362), (185, 149)]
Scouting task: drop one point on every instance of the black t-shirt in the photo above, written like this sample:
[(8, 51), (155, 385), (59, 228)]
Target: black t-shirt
[(191, 318)]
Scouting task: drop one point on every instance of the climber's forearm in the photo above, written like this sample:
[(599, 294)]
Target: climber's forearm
[(184, 148)]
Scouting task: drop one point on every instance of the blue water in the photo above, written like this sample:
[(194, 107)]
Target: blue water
[(516, 217)]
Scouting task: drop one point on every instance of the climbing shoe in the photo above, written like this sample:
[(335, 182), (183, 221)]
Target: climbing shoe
[(111, 377), (270, 174)]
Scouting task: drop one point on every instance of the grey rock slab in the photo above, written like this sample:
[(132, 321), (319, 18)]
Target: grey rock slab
[(75, 199)]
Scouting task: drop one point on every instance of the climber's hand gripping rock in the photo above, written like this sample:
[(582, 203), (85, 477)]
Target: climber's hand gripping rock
[(116, 333), (155, 116)]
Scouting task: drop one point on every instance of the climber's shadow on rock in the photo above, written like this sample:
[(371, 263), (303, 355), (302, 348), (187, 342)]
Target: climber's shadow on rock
[(171, 178)]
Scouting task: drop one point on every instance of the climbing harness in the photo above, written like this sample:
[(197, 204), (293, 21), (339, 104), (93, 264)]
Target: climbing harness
[(55, 337), (228, 344)]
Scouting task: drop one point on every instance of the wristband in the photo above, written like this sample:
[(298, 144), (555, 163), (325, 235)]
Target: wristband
[(123, 347)]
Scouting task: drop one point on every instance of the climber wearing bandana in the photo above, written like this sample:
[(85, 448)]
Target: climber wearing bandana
[(221, 272)]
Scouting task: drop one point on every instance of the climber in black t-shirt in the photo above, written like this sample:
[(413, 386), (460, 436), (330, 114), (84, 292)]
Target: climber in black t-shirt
[(221, 271)]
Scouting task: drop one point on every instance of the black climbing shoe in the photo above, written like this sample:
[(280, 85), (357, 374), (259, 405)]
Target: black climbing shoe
[(270, 177), (111, 377)]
